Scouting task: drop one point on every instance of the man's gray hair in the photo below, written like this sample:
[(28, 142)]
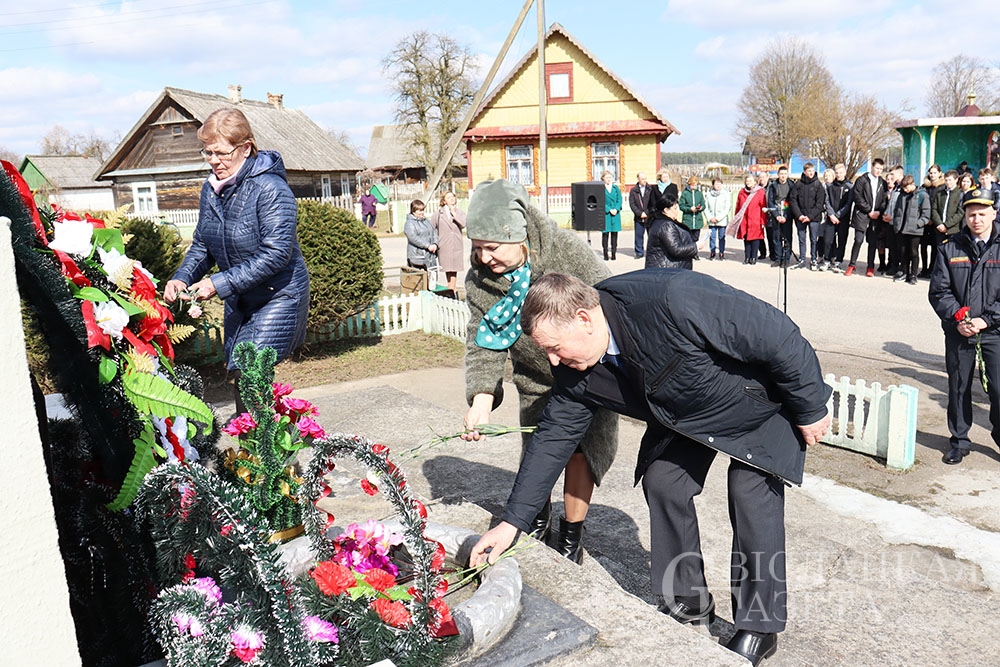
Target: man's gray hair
[(556, 297)]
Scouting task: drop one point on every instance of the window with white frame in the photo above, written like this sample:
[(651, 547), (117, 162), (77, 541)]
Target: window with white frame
[(345, 184), (144, 197), (604, 157), (326, 187), (519, 167)]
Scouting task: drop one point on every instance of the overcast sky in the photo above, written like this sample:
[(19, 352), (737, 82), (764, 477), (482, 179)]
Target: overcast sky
[(97, 65)]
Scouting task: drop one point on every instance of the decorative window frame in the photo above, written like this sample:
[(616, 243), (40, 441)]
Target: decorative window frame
[(137, 198), (534, 161), (618, 159), (557, 69)]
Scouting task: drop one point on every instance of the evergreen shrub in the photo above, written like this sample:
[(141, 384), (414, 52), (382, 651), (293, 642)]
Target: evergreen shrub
[(344, 260), (160, 248)]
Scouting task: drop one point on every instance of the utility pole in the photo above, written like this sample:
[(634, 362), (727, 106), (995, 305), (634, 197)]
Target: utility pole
[(543, 138)]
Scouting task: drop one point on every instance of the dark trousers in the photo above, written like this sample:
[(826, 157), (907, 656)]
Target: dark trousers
[(813, 229), (781, 239), (910, 262), (960, 360), (893, 248), (368, 219), (843, 230), (640, 237), (757, 515), (613, 236), (871, 235), (828, 237), (751, 249)]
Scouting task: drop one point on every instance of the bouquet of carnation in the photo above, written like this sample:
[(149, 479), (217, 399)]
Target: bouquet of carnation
[(963, 316)]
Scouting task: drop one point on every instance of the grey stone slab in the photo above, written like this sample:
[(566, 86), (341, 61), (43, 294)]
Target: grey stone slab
[(542, 632)]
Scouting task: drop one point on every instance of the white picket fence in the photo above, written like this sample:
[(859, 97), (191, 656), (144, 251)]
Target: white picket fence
[(874, 421)]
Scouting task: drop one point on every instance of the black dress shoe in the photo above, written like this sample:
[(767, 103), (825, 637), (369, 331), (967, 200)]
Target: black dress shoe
[(685, 613), (754, 646), (955, 456), (569, 543)]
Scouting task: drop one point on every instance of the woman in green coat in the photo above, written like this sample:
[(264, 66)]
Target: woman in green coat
[(513, 243), (692, 203), (612, 215)]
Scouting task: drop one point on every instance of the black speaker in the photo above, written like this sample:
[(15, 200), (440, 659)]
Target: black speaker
[(588, 206)]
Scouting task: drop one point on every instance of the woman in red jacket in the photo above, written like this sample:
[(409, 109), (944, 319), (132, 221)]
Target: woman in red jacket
[(750, 217)]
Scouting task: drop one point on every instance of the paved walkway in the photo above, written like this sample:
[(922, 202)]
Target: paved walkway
[(901, 569)]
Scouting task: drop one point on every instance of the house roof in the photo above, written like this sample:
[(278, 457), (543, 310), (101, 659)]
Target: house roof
[(665, 126), (388, 150), (948, 121), (304, 145), (66, 172)]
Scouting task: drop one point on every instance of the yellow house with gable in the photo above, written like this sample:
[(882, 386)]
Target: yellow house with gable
[(595, 122)]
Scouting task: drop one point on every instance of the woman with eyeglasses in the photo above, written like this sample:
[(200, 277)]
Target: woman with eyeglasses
[(246, 227)]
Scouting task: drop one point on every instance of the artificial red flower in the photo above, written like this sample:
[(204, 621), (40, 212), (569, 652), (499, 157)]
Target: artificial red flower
[(189, 565), (141, 346), (228, 528), (166, 346), (333, 578), (142, 286), (151, 326), (441, 588), (95, 337), (94, 222), (368, 487), (444, 625), (437, 561), (379, 449), (71, 270), (392, 612), (962, 314), (380, 580)]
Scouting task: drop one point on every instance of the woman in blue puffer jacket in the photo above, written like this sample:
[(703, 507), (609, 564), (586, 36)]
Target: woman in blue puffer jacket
[(246, 227)]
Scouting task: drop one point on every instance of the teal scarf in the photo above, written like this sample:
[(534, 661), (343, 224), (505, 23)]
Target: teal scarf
[(501, 325)]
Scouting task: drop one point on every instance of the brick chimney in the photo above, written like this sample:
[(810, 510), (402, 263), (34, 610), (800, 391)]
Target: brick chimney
[(236, 94), (276, 101)]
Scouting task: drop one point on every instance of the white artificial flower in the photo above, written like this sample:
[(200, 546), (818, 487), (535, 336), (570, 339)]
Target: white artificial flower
[(111, 318), (73, 237), (113, 261)]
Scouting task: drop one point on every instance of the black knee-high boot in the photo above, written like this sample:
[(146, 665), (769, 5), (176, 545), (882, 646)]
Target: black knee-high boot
[(604, 244), (614, 244), (570, 541)]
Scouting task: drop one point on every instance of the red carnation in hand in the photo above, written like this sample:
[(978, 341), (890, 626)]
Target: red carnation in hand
[(380, 580), (963, 314), (392, 612), (333, 578)]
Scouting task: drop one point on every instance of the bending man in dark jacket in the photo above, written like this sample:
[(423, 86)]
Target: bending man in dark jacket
[(660, 345), (966, 274)]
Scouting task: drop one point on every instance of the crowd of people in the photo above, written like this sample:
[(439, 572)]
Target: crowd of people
[(806, 224)]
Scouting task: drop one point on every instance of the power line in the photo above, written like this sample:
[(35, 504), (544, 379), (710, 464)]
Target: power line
[(131, 17)]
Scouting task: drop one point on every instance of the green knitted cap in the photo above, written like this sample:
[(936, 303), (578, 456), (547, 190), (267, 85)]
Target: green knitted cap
[(498, 213)]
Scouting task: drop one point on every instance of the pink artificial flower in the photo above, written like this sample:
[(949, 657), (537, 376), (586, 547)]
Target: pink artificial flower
[(240, 425), (318, 630), (295, 407), (280, 389), (247, 643), (310, 429), (188, 623), (195, 311), (207, 587)]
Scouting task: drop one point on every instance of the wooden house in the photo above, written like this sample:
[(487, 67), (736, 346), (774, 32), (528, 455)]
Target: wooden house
[(595, 122), (68, 181), (158, 166), (391, 157)]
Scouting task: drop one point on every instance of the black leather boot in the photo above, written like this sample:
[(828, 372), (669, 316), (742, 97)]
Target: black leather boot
[(570, 542), (614, 245), (604, 245), (542, 524)]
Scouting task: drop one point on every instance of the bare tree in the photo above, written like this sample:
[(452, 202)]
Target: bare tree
[(59, 141), (786, 99), (954, 79), (433, 77), (855, 127), (344, 139), (10, 156)]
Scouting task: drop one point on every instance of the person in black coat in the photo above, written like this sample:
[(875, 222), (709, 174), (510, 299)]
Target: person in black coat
[(869, 196), (670, 242), (660, 346), (967, 275), (807, 203), (639, 201)]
